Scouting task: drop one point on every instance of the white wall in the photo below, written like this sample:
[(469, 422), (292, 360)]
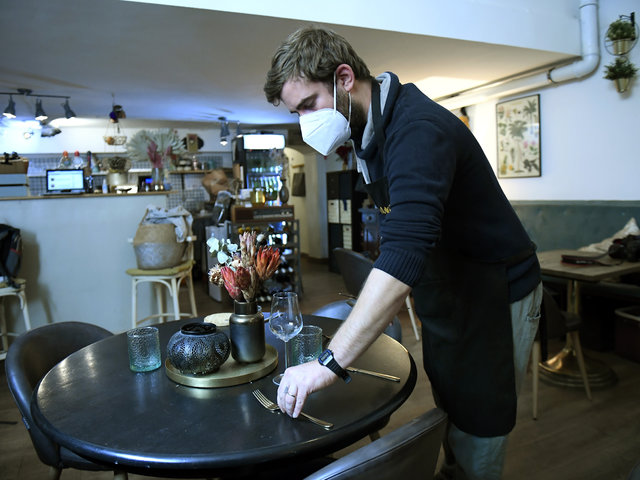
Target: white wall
[(86, 134), (589, 133)]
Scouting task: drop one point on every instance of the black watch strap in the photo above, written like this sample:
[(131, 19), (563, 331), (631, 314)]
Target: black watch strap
[(326, 359)]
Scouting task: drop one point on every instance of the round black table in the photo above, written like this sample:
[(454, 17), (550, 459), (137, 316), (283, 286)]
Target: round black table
[(145, 423)]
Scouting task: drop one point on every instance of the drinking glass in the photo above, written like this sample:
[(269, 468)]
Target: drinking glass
[(306, 346), (285, 321), (143, 345)]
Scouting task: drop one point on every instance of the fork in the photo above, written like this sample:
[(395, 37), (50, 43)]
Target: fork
[(273, 407)]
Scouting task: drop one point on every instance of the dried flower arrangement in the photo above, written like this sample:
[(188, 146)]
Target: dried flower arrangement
[(242, 272)]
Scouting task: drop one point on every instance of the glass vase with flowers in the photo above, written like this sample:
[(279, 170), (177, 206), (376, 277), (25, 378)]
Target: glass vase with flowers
[(160, 147)]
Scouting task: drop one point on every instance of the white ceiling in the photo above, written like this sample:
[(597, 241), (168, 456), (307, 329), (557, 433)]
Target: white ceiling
[(195, 65)]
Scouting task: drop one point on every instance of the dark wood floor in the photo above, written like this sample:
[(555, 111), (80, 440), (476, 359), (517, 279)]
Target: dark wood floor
[(573, 438)]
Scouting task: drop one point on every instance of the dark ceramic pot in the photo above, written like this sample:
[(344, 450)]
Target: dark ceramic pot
[(198, 349)]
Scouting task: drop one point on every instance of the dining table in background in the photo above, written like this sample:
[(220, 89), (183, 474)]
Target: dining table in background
[(145, 423), (562, 369)]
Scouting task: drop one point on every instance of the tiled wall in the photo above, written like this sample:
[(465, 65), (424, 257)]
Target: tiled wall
[(187, 186)]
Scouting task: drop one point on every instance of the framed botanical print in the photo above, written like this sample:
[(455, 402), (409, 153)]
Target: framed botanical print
[(518, 131)]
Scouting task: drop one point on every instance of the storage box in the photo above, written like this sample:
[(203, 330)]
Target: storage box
[(14, 167), (628, 333)]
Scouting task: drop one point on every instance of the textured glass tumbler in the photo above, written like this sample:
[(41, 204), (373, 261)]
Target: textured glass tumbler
[(306, 346), (144, 349)]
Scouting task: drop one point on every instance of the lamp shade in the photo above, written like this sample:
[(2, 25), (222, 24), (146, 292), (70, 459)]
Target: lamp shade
[(40, 115), (10, 111), (68, 113)]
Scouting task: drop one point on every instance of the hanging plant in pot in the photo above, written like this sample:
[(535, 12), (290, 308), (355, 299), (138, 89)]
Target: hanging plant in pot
[(621, 33), (160, 147), (621, 71), (242, 270)]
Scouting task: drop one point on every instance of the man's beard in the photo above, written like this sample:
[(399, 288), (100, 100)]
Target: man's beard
[(358, 117)]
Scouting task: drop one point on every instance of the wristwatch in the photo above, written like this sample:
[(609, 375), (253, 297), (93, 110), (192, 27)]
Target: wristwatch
[(326, 359)]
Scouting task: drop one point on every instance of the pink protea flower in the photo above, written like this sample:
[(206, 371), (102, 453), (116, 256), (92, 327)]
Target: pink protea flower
[(267, 261), (228, 274)]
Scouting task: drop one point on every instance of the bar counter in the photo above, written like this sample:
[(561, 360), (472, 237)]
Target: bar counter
[(75, 254)]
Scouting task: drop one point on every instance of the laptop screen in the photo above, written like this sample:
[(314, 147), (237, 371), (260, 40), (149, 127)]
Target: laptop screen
[(65, 181)]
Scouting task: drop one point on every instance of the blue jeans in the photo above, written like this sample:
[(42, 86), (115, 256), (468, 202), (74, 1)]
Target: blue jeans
[(482, 458)]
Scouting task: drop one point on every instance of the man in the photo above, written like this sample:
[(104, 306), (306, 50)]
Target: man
[(448, 234)]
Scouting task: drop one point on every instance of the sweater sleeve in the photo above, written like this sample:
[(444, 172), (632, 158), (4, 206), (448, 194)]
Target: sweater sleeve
[(420, 162)]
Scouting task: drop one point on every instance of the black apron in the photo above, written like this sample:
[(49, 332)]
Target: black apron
[(467, 338)]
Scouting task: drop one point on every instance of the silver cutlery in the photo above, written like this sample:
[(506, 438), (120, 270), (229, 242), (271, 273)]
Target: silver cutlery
[(374, 374), (273, 407)]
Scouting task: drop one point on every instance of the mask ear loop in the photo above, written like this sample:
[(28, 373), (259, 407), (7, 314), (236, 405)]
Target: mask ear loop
[(335, 97)]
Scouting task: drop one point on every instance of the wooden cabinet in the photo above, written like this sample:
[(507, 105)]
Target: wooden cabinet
[(343, 215)]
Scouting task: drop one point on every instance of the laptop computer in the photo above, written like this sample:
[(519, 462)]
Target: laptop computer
[(65, 182)]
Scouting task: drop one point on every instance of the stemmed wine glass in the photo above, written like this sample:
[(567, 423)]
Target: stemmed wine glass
[(285, 321)]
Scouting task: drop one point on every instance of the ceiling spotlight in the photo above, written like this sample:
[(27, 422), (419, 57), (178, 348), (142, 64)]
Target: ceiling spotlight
[(224, 130), (68, 113), (40, 115), (10, 111)]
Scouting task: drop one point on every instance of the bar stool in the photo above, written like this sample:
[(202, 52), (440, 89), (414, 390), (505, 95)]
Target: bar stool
[(172, 279), (19, 291)]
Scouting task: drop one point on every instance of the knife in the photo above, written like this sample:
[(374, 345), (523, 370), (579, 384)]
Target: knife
[(374, 374)]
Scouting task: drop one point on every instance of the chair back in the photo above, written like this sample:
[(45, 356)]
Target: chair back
[(354, 268), (29, 359), (409, 452)]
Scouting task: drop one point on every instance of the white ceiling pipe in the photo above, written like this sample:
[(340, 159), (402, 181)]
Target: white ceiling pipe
[(525, 82)]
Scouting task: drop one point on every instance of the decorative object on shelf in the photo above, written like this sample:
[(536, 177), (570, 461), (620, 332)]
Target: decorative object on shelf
[(114, 135), (242, 270), (159, 147), (518, 127), (198, 348), (621, 71), (622, 35), (117, 171), (283, 194)]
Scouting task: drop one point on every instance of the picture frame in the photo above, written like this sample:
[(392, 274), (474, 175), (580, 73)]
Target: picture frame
[(518, 137)]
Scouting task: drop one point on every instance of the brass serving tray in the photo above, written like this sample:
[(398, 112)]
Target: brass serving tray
[(230, 373)]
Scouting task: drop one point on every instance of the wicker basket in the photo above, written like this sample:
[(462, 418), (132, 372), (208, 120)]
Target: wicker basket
[(156, 247)]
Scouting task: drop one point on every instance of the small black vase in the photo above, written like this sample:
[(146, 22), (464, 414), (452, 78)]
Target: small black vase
[(198, 349)]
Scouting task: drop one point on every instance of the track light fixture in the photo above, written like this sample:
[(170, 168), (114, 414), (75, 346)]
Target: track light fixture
[(68, 113), (40, 114), (10, 111)]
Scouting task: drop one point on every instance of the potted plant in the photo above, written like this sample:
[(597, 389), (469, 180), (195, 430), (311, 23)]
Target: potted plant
[(621, 33), (118, 168), (621, 71)]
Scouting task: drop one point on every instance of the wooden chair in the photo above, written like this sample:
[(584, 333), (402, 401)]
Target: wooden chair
[(29, 359), (20, 292), (172, 279)]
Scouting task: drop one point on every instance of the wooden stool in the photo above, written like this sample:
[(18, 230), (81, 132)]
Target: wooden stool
[(171, 278), (19, 292)]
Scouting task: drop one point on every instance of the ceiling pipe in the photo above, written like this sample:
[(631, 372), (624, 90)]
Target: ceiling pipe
[(519, 83)]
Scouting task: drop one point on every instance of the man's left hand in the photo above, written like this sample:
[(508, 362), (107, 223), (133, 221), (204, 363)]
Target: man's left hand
[(299, 382)]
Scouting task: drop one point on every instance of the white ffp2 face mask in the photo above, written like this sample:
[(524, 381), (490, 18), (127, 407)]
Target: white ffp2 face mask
[(326, 129)]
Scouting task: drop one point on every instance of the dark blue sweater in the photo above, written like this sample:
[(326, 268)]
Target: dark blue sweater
[(442, 191)]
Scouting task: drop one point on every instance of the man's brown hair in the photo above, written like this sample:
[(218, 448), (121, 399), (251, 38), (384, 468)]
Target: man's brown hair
[(313, 53)]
